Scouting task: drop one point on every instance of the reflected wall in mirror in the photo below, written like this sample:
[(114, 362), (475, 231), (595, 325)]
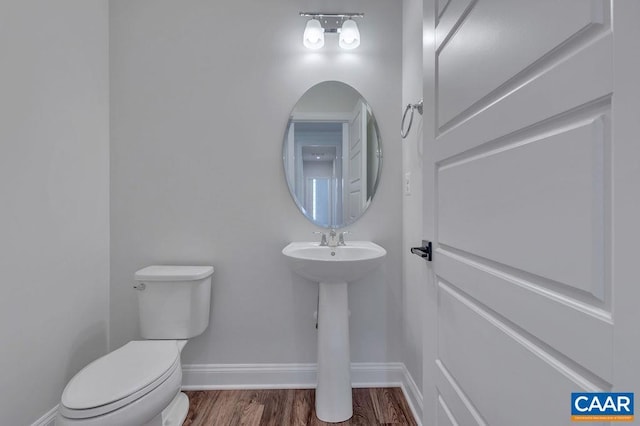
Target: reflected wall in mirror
[(332, 154)]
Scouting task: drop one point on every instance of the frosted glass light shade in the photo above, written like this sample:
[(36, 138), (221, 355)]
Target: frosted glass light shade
[(349, 35), (313, 37)]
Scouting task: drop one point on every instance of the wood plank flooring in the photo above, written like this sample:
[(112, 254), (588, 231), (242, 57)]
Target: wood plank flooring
[(284, 407)]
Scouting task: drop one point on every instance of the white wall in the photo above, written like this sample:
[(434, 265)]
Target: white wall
[(200, 96), (328, 98), (54, 224), (413, 267)]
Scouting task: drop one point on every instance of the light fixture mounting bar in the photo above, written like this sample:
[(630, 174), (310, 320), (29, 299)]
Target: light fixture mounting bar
[(332, 15)]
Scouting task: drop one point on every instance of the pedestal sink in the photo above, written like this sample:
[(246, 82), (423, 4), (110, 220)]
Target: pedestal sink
[(333, 268)]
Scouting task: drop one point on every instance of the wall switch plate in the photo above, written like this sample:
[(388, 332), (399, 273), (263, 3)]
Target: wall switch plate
[(407, 183)]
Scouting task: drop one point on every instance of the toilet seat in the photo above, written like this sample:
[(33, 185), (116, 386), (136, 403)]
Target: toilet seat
[(121, 378)]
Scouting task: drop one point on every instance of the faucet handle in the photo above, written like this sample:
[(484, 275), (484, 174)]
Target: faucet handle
[(341, 237), (323, 238)]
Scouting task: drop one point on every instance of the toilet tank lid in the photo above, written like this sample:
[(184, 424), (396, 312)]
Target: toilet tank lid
[(173, 273)]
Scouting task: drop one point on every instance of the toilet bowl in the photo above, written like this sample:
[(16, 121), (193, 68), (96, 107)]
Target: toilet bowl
[(129, 386), (139, 384)]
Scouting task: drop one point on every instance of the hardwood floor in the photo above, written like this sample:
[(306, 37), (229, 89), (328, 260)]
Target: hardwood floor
[(283, 407)]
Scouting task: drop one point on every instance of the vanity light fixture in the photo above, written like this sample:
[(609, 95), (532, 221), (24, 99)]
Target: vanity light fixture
[(349, 36), (313, 37), (332, 23)]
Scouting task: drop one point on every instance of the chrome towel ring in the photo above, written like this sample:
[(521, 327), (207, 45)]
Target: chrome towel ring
[(411, 107)]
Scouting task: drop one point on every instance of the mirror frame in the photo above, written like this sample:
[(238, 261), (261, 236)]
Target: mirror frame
[(379, 154)]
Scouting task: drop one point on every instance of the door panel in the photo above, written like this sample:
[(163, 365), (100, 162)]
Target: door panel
[(536, 204), (506, 366), (521, 204), (499, 40), (566, 324), (578, 80)]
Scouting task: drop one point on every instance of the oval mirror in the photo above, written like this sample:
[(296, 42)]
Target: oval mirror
[(332, 154)]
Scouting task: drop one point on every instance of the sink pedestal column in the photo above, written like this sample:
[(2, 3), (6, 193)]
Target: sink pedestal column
[(333, 394)]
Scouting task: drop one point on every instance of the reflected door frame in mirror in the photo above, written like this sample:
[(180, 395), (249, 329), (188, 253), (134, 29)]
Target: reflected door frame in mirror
[(332, 154)]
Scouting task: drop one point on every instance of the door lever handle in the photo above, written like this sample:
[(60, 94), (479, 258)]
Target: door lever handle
[(426, 251)]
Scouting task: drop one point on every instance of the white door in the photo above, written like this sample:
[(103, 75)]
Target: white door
[(532, 200), (357, 176)]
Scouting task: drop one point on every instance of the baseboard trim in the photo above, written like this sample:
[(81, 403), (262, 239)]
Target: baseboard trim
[(48, 419), (248, 376), (299, 376), (413, 395)]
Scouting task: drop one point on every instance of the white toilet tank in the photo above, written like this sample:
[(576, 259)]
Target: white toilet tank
[(173, 301)]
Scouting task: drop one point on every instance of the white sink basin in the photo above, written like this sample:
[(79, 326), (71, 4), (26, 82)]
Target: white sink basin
[(333, 268), (334, 264)]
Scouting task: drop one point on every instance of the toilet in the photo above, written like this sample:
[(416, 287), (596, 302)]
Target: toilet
[(139, 384)]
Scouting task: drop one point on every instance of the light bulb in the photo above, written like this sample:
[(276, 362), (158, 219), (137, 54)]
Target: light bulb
[(349, 35), (313, 37)]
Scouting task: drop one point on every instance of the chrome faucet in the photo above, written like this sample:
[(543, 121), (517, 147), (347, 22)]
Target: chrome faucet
[(332, 238)]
